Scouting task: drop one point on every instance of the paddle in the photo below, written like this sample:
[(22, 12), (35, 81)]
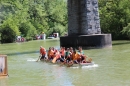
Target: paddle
[(38, 58), (54, 60), (90, 60)]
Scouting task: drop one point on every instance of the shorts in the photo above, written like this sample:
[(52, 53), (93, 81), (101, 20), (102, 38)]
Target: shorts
[(82, 58), (68, 59), (43, 57), (51, 58), (61, 59)]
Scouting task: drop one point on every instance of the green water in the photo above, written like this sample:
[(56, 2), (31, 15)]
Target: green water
[(112, 66)]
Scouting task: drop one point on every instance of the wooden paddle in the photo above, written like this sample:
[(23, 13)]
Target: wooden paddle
[(54, 60), (89, 60), (38, 58)]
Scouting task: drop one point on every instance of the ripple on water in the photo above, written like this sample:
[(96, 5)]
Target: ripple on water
[(31, 59)]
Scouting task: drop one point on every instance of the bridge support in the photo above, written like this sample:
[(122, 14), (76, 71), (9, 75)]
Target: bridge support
[(87, 41), (84, 26)]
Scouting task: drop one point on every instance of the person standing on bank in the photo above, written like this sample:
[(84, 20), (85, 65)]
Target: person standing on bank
[(42, 53)]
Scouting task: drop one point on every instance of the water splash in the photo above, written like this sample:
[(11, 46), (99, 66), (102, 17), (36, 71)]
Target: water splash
[(74, 67), (90, 66)]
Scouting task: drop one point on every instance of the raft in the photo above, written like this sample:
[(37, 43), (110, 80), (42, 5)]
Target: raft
[(70, 65), (81, 64)]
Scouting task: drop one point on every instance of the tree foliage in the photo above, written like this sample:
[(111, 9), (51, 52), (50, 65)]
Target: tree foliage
[(114, 14), (31, 17)]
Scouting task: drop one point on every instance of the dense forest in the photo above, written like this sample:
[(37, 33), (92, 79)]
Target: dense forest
[(31, 17)]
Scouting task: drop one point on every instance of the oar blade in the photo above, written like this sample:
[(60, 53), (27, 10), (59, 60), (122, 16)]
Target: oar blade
[(54, 60)]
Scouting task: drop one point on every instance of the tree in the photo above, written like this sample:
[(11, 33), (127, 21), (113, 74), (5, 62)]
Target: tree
[(114, 16), (9, 30), (31, 17)]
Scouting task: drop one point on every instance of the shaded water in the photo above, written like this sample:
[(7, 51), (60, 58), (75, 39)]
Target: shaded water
[(112, 66)]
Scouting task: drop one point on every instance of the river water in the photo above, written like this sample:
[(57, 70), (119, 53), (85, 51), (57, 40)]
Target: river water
[(112, 66)]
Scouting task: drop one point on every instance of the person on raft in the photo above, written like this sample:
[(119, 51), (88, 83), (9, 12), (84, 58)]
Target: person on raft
[(75, 57), (62, 52), (82, 56), (68, 56), (57, 55), (50, 54), (42, 53)]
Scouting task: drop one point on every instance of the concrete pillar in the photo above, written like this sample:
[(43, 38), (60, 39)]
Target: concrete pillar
[(83, 17), (73, 17)]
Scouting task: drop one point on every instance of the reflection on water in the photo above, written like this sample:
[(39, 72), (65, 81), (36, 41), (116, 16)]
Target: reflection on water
[(3, 82), (111, 66)]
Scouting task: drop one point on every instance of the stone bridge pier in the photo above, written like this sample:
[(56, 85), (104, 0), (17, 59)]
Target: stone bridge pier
[(84, 26)]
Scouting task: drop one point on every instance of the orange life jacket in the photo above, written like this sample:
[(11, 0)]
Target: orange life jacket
[(62, 52), (50, 53), (57, 54), (76, 56), (42, 51)]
